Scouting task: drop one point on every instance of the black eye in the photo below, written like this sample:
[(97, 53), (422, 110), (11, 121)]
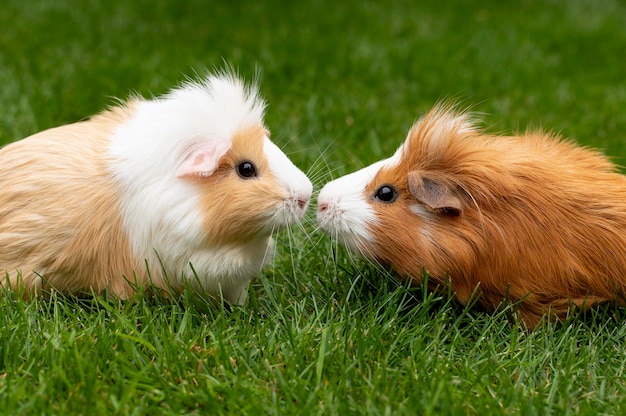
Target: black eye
[(386, 193), (246, 170)]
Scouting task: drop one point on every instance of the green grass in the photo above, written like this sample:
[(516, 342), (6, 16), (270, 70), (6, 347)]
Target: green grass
[(323, 333)]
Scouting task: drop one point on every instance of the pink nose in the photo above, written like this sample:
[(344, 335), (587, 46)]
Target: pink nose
[(302, 203), (322, 207)]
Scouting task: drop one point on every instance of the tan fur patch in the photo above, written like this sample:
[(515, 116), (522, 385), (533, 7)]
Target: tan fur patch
[(543, 219), (236, 208), (60, 212)]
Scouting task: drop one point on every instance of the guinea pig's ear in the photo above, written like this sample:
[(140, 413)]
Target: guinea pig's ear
[(202, 160), (436, 194)]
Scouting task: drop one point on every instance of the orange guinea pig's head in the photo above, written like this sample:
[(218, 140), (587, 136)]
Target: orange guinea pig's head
[(403, 210)]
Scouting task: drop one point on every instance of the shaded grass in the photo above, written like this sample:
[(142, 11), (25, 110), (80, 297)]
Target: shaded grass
[(322, 333)]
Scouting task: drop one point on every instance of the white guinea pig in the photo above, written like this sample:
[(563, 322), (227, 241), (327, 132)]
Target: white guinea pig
[(187, 186), (529, 218)]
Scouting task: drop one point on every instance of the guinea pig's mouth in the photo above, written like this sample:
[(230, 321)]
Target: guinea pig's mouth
[(347, 230), (288, 212)]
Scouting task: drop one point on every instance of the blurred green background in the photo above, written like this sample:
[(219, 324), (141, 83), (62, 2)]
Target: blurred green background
[(349, 75)]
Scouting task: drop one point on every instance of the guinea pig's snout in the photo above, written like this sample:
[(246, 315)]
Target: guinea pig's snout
[(322, 206), (292, 206), (345, 217), (304, 195), (325, 206), (301, 197)]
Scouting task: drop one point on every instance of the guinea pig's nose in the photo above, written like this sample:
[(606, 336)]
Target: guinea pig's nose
[(323, 206), (302, 197)]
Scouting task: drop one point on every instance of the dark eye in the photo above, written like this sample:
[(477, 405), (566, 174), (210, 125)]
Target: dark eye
[(386, 193), (246, 170)]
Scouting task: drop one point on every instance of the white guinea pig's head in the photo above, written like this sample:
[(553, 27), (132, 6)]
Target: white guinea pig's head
[(248, 186), (250, 189), (200, 167)]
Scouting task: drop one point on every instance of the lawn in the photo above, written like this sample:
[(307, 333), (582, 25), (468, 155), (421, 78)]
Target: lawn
[(323, 332)]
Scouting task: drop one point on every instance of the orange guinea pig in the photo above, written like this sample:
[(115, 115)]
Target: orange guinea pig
[(529, 218)]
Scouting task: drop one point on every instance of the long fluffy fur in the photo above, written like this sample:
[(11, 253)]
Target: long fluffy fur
[(60, 221), (542, 222)]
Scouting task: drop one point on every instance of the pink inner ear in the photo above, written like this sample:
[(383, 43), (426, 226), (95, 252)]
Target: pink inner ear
[(202, 160)]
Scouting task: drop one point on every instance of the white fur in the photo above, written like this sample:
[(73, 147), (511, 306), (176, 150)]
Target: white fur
[(344, 210), (287, 174), (296, 184), (161, 211)]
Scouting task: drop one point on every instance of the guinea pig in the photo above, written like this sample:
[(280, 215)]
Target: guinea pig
[(183, 187), (531, 219)]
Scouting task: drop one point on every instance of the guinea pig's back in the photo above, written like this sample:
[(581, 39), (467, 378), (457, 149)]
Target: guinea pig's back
[(551, 227), (60, 210)]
